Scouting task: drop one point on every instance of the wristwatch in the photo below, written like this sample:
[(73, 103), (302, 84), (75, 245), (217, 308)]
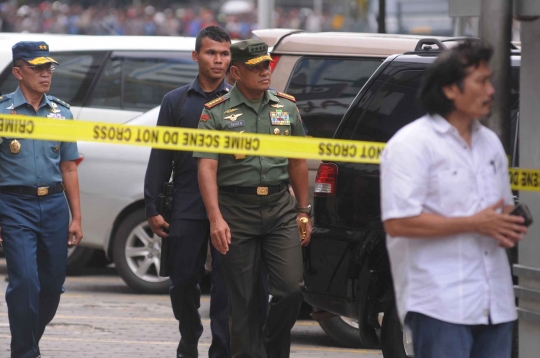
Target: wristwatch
[(304, 210)]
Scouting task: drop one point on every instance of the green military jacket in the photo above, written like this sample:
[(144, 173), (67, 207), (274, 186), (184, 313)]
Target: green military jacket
[(278, 115)]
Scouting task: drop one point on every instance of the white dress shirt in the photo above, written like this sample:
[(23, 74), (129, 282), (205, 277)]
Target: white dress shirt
[(428, 167)]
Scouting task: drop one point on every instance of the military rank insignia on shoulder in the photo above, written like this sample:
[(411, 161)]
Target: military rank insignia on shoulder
[(215, 102), (286, 96), (59, 101)]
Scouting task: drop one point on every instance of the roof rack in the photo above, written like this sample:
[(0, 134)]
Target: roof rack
[(424, 46)]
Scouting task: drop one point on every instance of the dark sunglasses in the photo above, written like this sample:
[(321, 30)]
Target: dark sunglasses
[(40, 68)]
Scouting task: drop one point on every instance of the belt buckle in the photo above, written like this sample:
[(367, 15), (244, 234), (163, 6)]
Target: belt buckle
[(44, 190), (262, 190)]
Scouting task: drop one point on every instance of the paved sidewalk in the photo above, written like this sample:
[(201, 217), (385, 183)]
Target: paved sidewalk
[(99, 316)]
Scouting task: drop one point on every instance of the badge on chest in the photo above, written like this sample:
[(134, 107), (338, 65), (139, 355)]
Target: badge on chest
[(280, 118), (56, 116)]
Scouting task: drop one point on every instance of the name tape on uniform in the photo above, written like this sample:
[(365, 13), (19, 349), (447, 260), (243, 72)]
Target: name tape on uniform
[(175, 138)]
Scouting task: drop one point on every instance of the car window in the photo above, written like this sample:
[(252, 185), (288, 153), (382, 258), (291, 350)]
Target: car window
[(392, 107), (139, 83), (71, 79), (325, 87)]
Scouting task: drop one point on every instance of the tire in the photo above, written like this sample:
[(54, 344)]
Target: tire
[(392, 334), (77, 259), (342, 330), (136, 253)]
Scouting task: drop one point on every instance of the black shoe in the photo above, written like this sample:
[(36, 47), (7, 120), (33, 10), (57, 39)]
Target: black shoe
[(187, 350), (187, 355)]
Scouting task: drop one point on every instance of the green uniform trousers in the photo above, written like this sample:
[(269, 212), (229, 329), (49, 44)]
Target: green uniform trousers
[(264, 232)]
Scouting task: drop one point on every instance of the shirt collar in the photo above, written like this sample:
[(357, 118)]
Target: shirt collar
[(19, 99), (441, 125), (236, 97), (195, 86)]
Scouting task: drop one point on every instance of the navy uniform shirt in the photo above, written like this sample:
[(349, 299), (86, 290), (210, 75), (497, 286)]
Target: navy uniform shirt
[(36, 162), (187, 203)]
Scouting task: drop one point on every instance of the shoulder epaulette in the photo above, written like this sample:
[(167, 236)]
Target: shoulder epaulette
[(5, 97), (216, 101), (285, 95), (59, 101)]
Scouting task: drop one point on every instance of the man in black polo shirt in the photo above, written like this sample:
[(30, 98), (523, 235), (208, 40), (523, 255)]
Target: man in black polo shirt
[(189, 228)]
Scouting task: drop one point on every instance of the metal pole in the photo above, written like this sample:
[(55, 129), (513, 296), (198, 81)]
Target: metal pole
[(459, 26), (318, 7), (529, 157), (382, 16), (495, 27), (265, 12)]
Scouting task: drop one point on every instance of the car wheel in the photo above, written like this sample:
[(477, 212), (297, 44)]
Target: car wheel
[(77, 258), (394, 341), (136, 252), (342, 330)]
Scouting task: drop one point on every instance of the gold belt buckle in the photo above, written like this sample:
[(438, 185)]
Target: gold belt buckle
[(262, 190), (44, 190)]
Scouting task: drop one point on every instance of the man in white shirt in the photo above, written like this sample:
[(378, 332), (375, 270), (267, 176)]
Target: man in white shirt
[(446, 201)]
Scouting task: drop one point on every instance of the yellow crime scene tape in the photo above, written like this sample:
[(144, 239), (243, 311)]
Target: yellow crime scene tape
[(175, 138)]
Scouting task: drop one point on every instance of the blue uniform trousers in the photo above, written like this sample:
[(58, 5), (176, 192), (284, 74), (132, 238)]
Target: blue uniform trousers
[(35, 234), (188, 245)]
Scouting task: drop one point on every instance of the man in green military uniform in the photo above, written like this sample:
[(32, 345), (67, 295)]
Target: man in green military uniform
[(253, 218)]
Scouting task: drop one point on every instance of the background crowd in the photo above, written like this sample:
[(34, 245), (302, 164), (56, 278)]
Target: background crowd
[(146, 19)]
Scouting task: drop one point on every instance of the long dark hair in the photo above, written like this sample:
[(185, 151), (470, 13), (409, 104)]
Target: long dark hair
[(451, 67)]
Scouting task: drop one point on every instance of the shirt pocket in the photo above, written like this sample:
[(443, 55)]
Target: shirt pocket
[(52, 149), (14, 148), (490, 185), (455, 190), (239, 126), (279, 163)]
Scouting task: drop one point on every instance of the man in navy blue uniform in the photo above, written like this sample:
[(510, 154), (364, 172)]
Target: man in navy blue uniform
[(189, 230), (34, 214)]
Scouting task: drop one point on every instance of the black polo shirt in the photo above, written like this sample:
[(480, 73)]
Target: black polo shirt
[(188, 203)]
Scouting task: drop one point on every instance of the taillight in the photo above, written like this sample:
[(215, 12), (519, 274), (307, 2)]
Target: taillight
[(325, 182), (273, 64), (79, 160)]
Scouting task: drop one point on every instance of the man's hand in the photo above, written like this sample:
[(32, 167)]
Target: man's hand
[(506, 229), (304, 240), (75, 234), (158, 224), (220, 235)]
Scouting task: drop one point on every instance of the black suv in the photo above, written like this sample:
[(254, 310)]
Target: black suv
[(346, 267)]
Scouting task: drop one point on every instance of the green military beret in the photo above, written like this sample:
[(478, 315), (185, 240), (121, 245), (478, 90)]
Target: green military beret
[(250, 52)]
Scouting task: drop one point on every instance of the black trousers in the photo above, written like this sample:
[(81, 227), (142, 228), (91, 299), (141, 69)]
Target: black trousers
[(189, 244)]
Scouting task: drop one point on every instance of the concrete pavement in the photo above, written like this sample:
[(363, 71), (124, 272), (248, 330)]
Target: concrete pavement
[(99, 316)]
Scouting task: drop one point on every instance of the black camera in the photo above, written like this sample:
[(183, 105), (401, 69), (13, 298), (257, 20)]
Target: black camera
[(165, 200), (523, 211)]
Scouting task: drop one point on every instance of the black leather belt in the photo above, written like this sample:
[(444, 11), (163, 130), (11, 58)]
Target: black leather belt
[(30, 190), (254, 190)]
